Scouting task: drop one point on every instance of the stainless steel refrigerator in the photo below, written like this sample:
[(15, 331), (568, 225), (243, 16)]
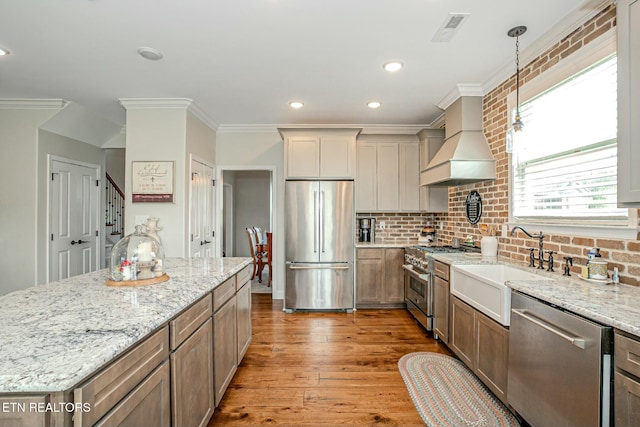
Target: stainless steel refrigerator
[(319, 245)]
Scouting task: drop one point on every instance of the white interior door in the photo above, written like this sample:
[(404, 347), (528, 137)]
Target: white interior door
[(195, 208), (73, 215), (208, 187), (202, 210)]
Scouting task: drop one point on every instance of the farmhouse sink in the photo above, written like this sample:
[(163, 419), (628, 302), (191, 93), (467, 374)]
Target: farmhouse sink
[(483, 286)]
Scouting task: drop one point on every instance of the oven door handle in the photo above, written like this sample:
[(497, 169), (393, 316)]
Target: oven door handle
[(418, 276), (578, 342)]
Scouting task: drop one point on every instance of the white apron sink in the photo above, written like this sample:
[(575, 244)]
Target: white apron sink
[(483, 287)]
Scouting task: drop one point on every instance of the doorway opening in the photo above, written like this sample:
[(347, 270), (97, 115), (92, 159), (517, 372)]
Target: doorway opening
[(247, 201)]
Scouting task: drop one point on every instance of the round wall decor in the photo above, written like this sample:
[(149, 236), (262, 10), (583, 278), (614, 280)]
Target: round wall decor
[(473, 207)]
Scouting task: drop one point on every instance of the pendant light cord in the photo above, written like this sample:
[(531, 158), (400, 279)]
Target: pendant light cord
[(517, 75)]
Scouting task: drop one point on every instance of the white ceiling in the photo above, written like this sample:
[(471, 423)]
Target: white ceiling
[(242, 61)]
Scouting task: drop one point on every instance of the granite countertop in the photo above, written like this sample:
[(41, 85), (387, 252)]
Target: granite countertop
[(54, 336), (612, 305)]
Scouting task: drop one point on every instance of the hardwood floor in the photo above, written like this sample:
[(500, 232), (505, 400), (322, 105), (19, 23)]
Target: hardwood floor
[(324, 369)]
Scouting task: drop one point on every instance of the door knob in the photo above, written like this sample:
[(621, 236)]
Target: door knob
[(79, 242), (206, 242)]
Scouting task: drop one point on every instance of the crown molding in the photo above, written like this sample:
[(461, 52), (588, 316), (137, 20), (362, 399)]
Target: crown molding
[(460, 90), (32, 104), (371, 129), (392, 129), (565, 27), (177, 103), (199, 114), (155, 103)]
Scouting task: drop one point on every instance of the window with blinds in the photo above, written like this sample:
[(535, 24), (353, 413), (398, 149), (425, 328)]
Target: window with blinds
[(564, 162)]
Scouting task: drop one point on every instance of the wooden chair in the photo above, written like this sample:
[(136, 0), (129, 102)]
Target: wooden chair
[(252, 249), (269, 252), (258, 253), (259, 236)]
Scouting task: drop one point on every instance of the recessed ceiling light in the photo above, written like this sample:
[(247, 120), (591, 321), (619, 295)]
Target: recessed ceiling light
[(296, 104), (393, 66), (4, 52), (150, 53), (374, 104)]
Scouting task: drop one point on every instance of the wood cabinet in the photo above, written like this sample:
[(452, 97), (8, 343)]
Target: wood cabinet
[(387, 175), (319, 153), (191, 341), (628, 52), (432, 199), (462, 331), (225, 346), (243, 319), (492, 354), (379, 278), (15, 411), (482, 344), (147, 404), (117, 381), (626, 380), (441, 302)]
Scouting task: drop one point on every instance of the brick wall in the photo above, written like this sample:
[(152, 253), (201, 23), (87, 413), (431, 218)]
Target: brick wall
[(622, 254), (400, 227)]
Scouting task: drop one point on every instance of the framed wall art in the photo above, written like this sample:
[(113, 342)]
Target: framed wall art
[(152, 181)]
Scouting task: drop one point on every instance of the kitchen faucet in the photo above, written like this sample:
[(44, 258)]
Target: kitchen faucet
[(540, 256)]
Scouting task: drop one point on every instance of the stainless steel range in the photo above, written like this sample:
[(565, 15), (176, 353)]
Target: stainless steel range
[(418, 280)]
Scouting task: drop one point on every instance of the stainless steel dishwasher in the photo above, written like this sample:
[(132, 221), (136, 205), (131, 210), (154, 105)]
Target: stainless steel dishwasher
[(559, 366)]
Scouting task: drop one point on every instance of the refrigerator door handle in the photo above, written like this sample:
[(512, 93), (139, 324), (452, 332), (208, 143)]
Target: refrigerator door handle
[(318, 266), (315, 221), (322, 220)]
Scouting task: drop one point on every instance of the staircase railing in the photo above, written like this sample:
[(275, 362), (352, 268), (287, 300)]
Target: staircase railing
[(114, 215)]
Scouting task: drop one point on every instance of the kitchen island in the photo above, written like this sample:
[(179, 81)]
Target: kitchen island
[(59, 335)]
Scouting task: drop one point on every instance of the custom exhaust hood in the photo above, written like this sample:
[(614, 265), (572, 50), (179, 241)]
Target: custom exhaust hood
[(465, 156)]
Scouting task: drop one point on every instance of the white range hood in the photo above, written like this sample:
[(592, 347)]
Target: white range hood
[(465, 156)]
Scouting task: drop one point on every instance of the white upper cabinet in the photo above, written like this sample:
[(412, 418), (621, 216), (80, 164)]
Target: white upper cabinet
[(628, 23), (409, 177), (432, 199), (302, 154), (366, 179), (388, 179), (319, 153), (387, 174)]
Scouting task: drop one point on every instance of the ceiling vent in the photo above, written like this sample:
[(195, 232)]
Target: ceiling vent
[(450, 27)]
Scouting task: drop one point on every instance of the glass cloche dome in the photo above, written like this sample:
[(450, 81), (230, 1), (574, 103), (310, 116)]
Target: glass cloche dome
[(137, 256)]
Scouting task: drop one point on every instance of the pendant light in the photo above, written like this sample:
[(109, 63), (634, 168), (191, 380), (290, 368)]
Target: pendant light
[(517, 32)]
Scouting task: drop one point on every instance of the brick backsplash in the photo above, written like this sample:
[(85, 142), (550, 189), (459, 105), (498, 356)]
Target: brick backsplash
[(624, 254), (400, 227)]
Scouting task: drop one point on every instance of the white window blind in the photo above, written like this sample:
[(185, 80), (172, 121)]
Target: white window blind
[(564, 162)]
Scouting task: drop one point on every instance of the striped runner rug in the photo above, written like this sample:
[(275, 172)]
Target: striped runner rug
[(447, 394)]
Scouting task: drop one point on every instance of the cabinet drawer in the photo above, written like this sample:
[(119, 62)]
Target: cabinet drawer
[(107, 388), (223, 292), (243, 276), (190, 320), (147, 404), (369, 253), (441, 269), (627, 354)]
